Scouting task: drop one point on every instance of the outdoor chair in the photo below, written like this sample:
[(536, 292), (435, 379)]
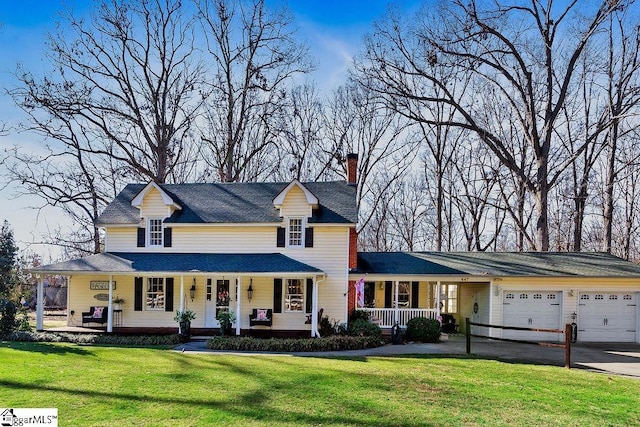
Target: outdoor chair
[(261, 317), (95, 315)]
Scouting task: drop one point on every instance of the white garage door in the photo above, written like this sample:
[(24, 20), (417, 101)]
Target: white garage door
[(532, 309), (607, 316)]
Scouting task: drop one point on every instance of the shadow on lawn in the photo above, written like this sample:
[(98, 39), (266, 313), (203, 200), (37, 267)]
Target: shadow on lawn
[(47, 348), (253, 406)]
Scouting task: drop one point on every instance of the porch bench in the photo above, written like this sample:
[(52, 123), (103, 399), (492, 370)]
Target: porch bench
[(90, 316), (254, 320)]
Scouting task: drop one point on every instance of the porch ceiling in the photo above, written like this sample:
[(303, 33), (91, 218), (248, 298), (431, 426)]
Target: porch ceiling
[(123, 263)]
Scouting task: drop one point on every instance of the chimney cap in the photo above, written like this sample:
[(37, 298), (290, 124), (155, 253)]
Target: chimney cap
[(352, 156)]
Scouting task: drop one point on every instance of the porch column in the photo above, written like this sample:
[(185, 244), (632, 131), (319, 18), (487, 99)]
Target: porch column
[(314, 309), (40, 303), (110, 306), (238, 304), (438, 299), (396, 313), (181, 308)]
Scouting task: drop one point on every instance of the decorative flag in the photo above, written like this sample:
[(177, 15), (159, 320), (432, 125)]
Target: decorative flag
[(360, 293)]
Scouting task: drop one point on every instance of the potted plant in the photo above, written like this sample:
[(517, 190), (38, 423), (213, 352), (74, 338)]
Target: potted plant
[(184, 319), (226, 319), (117, 303)]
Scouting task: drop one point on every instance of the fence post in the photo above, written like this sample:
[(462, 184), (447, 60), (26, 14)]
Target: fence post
[(467, 333), (567, 346)]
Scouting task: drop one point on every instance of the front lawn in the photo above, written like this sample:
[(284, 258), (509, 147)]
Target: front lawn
[(94, 385)]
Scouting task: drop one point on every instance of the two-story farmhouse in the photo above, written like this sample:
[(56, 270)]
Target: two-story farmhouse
[(290, 249)]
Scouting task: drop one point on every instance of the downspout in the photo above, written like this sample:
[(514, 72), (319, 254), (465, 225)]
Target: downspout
[(396, 313), (314, 306)]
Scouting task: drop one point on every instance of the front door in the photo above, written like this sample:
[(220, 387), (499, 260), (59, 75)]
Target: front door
[(218, 297)]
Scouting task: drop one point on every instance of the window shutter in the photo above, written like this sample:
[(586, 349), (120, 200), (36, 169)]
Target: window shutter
[(308, 237), (280, 237), (309, 301), (168, 294), (277, 295), (137, 294), (167, 237), (388, 292), (141, 237), (415, 286)]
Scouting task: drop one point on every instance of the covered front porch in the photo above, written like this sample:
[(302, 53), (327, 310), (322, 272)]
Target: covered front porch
[(155, 286)]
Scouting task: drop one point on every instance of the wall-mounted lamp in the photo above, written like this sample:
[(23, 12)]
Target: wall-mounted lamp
[(381, 286), (571, 292), (192, 291), (250, 290), (498, 290)]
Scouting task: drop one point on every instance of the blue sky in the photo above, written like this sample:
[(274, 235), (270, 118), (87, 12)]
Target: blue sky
[(333, 30)]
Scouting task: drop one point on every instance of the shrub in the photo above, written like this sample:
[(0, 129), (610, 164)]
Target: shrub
[(8, 312), (133, 340), (423, 329), (358, 315), (364, 328), (333, 343)]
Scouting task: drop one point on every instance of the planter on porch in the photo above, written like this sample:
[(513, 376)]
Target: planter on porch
[(184, 319)]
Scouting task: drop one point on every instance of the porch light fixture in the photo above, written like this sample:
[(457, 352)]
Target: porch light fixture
[(498, 290), (250, 290), (571, 292), (192, 291)]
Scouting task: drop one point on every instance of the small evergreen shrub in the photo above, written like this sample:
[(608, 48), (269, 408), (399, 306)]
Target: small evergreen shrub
[(364, 328), (423, 329), (327, 328), (290, 345), (8, 320)]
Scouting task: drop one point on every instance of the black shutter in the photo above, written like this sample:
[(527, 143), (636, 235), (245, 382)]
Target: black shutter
[(137, 294), (388, 290), (141, 237), (308, 237), (309, 301), (280, 237), (415, 286), (168, 294), (167, 237), (277, 295)]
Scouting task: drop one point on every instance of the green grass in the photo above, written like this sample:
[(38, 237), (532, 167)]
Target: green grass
[(95, 385)]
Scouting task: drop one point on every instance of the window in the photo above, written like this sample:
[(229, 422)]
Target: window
[(155, 232), (294, 295), (404, 294), (155, 293), (294, 230)]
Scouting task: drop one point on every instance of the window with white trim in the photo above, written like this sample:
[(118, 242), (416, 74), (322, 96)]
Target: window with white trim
[(294, 295), (155, 232), (295, 232), (404, 294), (155, 293)]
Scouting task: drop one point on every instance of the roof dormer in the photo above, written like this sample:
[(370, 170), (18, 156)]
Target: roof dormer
[(153, 201), (296, 200)]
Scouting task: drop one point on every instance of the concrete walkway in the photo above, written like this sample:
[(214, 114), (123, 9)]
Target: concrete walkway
[(611, 358)]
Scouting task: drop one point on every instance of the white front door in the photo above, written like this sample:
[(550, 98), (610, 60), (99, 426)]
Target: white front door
[(217, 300), (609, 316), (531, 309)]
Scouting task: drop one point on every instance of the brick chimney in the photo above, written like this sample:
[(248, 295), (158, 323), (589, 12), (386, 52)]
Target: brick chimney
[(352, 168)]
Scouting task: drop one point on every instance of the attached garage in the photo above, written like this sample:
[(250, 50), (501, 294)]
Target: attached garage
[(607, 316), (532, 309)]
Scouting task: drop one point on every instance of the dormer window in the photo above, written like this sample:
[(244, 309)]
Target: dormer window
[(294, 232), (155, 232)]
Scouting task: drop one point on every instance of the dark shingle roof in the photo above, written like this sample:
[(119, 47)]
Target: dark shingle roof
[(589, 264), (236, 203), (119, 262)]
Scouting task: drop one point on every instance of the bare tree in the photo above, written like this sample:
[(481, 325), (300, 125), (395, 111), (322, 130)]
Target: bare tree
[(254, 56), (525, 54)]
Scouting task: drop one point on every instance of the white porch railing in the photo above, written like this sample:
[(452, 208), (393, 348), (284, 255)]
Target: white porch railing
[(385, 317)]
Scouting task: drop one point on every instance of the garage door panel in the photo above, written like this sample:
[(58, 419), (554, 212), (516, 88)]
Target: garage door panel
[(607, 316), (531, 309)]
